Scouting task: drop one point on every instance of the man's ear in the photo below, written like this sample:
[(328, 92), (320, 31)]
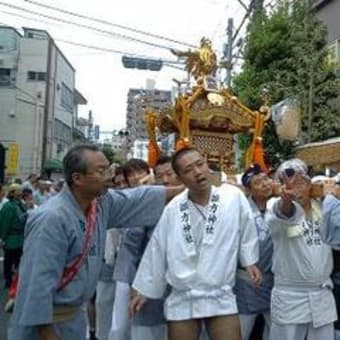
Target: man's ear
[(246, 189), (76, 178), (178, 179)]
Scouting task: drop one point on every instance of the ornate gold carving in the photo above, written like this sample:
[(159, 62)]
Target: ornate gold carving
[(199, 63), (217, 148), (208, 116)]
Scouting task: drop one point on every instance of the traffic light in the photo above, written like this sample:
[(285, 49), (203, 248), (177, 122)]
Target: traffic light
[(142, 64)]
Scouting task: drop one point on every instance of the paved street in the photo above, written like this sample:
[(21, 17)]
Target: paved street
[(3, 299)]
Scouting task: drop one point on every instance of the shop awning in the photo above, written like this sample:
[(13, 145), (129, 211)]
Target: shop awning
[(53, 164)]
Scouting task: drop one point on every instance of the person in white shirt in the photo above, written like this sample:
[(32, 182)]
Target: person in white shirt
[(202, 234), (31, 182), (302, 303)]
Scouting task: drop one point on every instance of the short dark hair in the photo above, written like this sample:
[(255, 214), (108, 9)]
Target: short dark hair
[(119, 170), (26, 192), (134, 164), (31, 175), (178, 155), (163, 159), (18, 181), (74, 161)]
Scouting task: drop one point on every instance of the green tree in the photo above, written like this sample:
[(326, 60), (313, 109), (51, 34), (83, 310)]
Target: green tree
[(286, 52), (110, 154)]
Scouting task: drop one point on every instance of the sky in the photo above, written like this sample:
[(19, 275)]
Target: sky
[(100, 75)]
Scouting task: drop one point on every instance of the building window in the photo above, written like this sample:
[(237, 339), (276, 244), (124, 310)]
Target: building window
[(334, 53), (5, 76), (36, 76), (36, 35), (66, 98), (41, 76), (62, 132)]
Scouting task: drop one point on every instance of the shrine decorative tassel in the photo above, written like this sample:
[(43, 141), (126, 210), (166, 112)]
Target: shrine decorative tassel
[(153, 149)]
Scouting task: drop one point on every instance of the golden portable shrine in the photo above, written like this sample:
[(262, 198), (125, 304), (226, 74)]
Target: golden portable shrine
[(208, 116)]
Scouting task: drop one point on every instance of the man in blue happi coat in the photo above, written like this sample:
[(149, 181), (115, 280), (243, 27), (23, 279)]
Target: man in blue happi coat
[(55, 236)]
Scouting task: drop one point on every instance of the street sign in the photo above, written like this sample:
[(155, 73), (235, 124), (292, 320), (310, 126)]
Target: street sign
[(12, 159), (142, 63)]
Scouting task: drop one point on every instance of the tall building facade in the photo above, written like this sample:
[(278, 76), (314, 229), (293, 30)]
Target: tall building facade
[(38, 98), (138, 101), (329, 12)]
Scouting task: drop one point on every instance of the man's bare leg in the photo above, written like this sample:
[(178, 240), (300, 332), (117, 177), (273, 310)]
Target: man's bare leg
[(184, 330), (225, 327)]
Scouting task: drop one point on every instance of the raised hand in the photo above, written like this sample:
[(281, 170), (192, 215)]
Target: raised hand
[(288, 194)]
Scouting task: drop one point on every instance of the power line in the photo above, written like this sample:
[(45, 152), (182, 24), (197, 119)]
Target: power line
[(220, 22), (92, 47), (119, 35), (28, 18), (98, 48), (243, 4), (105, 49), (169, 63), (105, 22), (272, 4), (166, 62), (248, 12)]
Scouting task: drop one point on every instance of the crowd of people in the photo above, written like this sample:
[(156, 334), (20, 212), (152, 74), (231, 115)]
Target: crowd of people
[(127, 252), (17, 200)]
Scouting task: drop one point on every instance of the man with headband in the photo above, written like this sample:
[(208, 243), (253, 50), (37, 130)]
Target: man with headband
[(302, 305), (254, 301)]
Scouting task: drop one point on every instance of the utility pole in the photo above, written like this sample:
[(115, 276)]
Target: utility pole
[(311, 80), (231, 36), (258, 6), (229, 51), (90, 130), (310, 103)]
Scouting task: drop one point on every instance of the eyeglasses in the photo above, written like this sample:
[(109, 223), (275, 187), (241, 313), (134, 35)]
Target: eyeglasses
[(107, 173)]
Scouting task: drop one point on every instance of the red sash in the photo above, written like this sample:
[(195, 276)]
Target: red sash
[(71, 270)]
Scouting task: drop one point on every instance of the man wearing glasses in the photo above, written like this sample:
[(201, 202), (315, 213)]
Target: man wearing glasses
[(65, 242), (254, 301)]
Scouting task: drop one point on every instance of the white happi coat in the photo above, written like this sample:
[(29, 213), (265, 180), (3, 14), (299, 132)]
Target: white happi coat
[(201, 277), (302, 264)]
